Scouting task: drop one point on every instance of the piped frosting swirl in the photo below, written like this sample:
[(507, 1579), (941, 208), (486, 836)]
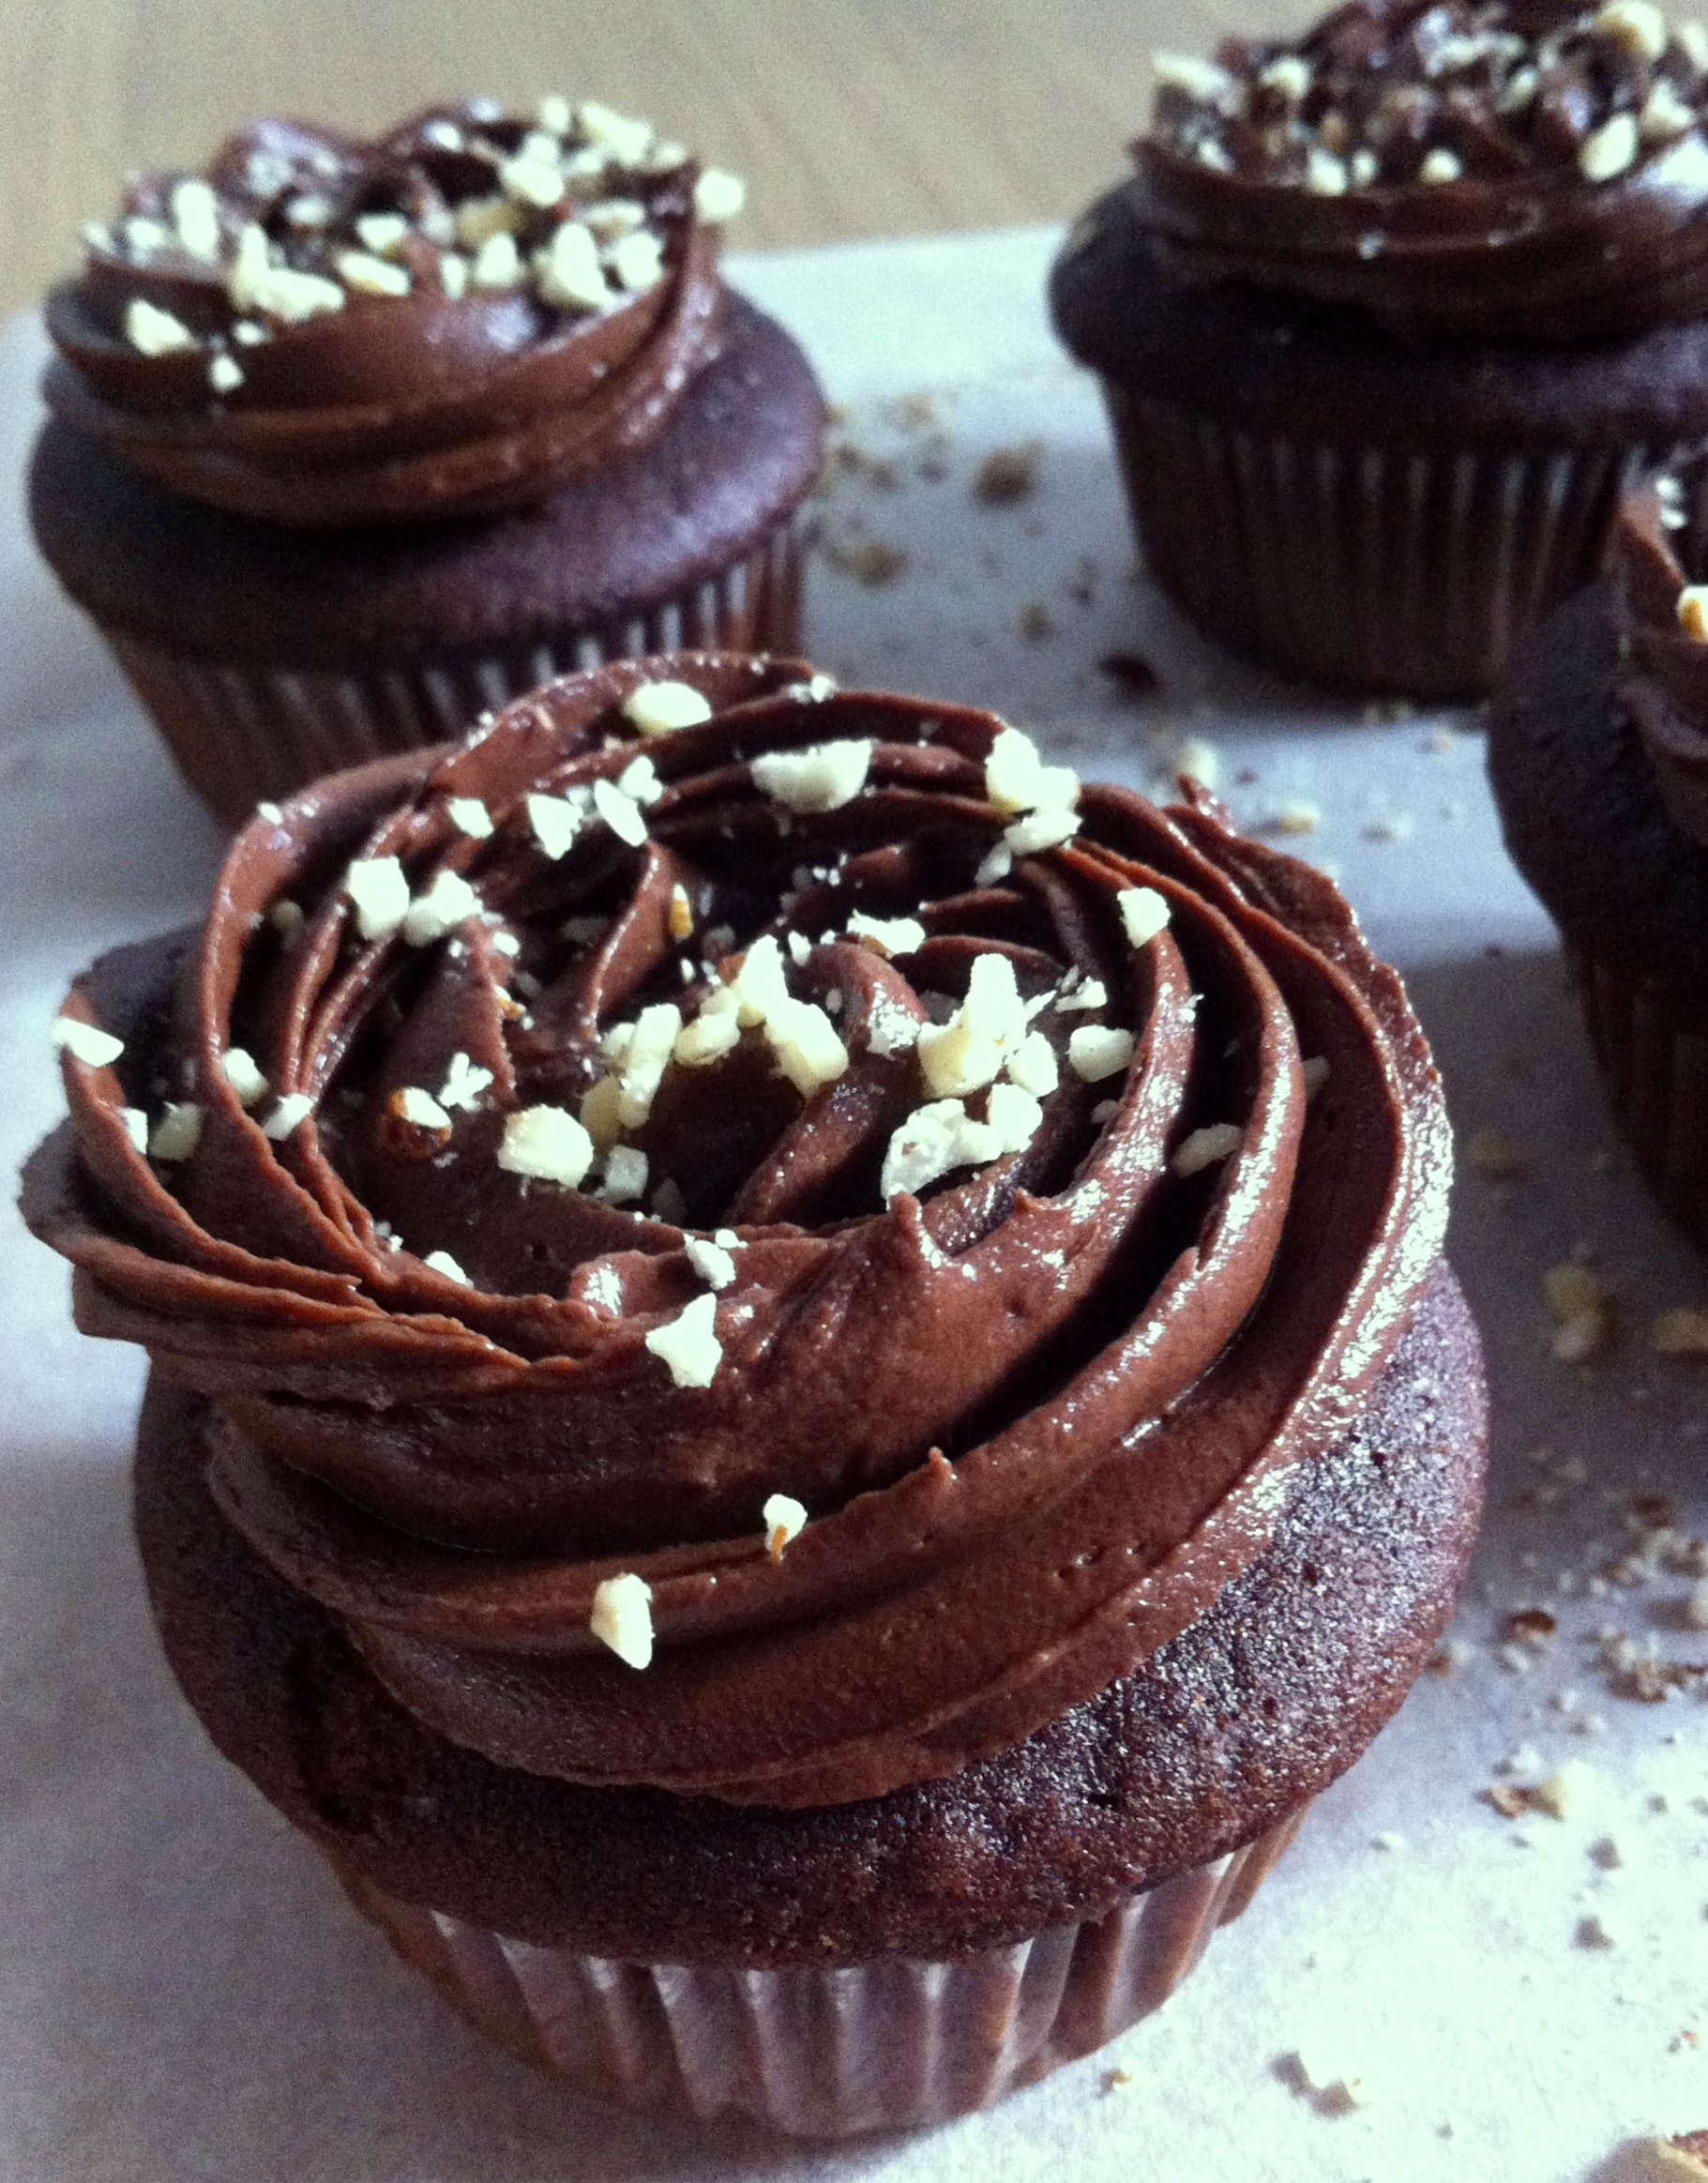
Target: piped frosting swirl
[(889, 1356), (455, 318), (1493, 170)]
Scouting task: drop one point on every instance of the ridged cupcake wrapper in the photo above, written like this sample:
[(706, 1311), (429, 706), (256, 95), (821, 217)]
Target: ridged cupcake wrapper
[(1654, 1067), (1363, 568), (242, 733), (887, 2045)]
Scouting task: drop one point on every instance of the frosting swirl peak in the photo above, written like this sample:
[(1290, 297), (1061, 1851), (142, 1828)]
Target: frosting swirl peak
[(808, 1197), (455, 318)]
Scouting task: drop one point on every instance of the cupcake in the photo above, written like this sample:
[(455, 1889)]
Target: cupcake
[(1598, 756), (1387, 318), (804, 1386), (351, 442)]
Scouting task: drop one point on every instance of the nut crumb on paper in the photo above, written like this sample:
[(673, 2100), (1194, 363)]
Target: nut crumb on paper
[(1036, 622), (1008, 474), (870, 561)]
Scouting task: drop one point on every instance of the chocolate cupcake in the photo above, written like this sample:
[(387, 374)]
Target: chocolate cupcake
[(351, 442), (1387, 318), (804, 1388), (1598, 755)]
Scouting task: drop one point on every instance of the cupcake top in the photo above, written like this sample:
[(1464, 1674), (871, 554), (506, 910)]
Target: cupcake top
[(455, 318), (1494, 171), (773, 1188)]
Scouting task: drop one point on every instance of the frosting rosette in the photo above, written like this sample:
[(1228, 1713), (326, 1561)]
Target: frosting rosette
[(457, 318), (1495, 172), (751, 1239)]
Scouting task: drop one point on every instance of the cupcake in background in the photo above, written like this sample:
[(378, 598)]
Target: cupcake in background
[(1387, 318), (1598, 756), (805, 1384), (351, 442)]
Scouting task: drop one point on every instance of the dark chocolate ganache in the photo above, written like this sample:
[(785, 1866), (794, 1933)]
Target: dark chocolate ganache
[(454, 319), (1495, 171), (1659, 564), (751, 1238)]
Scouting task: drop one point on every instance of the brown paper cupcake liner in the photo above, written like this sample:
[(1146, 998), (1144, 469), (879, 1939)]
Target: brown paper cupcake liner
[(239, 733), (1363, 568), (886, 2046), (1654, 1067)]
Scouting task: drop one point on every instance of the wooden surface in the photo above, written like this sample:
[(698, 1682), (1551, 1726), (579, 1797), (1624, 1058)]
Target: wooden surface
[(866, 118)]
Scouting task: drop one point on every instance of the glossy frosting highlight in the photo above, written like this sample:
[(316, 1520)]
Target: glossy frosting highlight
[(1038, 1415), (319, 331)]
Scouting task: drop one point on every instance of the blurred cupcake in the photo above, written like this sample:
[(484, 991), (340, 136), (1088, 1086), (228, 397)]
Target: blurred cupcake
[(804, 1387), (1598, 754), (1389, 316), (352, 442)]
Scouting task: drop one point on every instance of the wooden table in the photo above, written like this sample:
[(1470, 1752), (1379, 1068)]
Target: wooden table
[(874, 117)]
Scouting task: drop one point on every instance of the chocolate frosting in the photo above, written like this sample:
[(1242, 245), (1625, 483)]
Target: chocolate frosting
[(303, 375), (1494, 172), (1039, 1412), (1659, 547)]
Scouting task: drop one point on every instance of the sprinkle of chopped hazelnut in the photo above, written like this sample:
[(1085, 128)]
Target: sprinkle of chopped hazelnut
[(713, 1032), (195, 217), (463, 1083), (547, 1144), (1596, 1930), (1207, 1147), (153, 331), (380, 894), (443, 1263), (254, 282), (1532, 1626), (85, 1042), (939, 1137), (1297, 817), (657, 707), (1017, 780), (366, 275), (1638, 25), (711, 1261), (243, 1073), (622, 1617), (967, 1053), (601, 1116), (1044, 829), (1204, 81), (822, 778), (784, 1519), (288, 1116), (446, 904), (689, 1344), (497, 265), (680, 915), (556, 821), (1144, 913), (1440, 165), (1096, 1051), (1664, 116), (1693, 612), (1033, 1066), (224, 374), (1610, 151), (177, 1132), (470, 816), (626, 1170), (887, 935)]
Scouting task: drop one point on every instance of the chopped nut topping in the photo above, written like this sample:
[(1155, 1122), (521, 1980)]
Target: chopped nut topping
[(154, 331), (288, 1116), (1017, 780), (718, 196), (639, 781), (224, 374), (136, 1126), (569, 271), (417, 1125), (1693, 612), (446, 904), (713, 1032), (1089, 993), (1033, 1066), (556, 821), (243, 1073), (784, 1519), (380, 894), (463, 1083), (195, 216), (1610, 151), (681, 913), (822, 778), (887, 935), (625, 1177), (177, 1132), (546, 1144), (254, 282), (366, 275), (85, 1042), (638, 262), (1144, 913), (657, 707), (442, 1261), (620, 813), (1207, 1147), (967, 1053), (1096, 1051), (934, 1141), (643, 1062), (997, 864), (622, 1617), (601, 1116), (470, 816), (1008, 474), (1638, 25), (1441, 165), (1201, 81), (711, 1262), (689, 1344)]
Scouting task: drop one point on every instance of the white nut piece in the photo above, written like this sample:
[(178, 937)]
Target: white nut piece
[(822, 778), (379, 892), (546, 1144), (689, 1344), (154, 332), (85, 1042), (1610, 151), (622, 1617), (658, 707), (718, 196)]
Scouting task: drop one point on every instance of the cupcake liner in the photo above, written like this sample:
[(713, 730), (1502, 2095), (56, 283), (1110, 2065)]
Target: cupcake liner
[(239, 732), (1654, 1067), (1364, 567), (886, 2046)]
